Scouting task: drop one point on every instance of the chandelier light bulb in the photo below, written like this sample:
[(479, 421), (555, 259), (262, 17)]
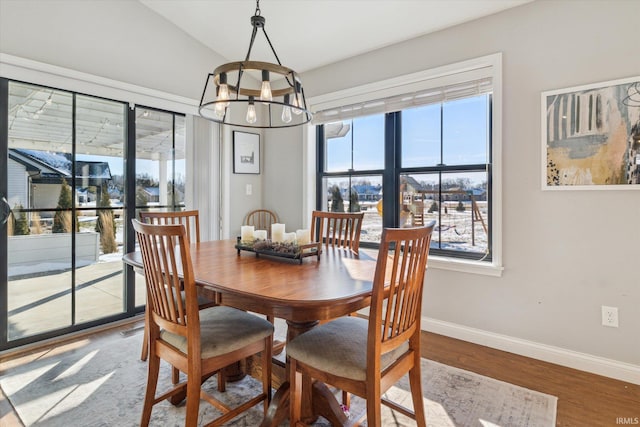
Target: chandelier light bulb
[(219, 110), (296, 99), (286, 114), (265, 91), (220, 107), (286, 110), (223, 91), (224, 94), (251, 112)]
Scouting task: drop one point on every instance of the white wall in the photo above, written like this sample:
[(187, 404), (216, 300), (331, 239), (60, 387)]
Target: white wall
[(565, 253), (121, 40), (283, 176)]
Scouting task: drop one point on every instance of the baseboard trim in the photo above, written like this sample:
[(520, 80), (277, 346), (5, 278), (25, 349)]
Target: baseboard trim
[(572, 359), (63, 339)]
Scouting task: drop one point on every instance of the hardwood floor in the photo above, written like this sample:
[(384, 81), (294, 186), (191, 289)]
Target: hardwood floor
[(584, 399)]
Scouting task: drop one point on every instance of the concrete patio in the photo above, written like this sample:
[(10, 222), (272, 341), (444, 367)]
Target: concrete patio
[(43, 302)]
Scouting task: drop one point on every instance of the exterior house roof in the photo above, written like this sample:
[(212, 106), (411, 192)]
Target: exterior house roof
[(58, 165), (152, 191), (367, 189), (411, 181), (39, 161)]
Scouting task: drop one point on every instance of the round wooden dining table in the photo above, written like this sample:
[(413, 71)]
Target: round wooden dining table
[(336, 283)]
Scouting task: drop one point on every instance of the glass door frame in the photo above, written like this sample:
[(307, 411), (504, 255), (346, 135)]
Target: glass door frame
[(129, 211), (4, 192)]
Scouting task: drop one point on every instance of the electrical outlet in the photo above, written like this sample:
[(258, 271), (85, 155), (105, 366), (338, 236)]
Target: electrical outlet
[(610, 316)]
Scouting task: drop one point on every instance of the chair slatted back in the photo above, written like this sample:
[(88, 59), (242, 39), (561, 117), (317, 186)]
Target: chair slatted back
[(401, 265), (190, 220), (337, 229), (261, 219), (165, 255)]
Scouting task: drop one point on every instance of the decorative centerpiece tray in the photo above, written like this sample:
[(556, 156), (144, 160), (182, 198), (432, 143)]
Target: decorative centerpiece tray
[(280, 249)]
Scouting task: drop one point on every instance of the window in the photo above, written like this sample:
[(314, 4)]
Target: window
[(428, 146), (160, 159), (445, 172), (354, 159)]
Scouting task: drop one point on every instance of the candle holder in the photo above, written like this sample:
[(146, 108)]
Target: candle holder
[(287, 250)]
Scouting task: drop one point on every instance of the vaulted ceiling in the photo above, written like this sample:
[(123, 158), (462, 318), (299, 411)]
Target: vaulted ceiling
[(308, 34)]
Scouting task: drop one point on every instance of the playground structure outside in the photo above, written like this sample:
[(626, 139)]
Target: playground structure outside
[(453, 224)]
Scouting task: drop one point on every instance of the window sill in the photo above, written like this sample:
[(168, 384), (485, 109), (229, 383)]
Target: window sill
[(465, 266)]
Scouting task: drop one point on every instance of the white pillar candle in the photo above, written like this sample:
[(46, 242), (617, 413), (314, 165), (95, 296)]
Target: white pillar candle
[(289, 237), (260, 234), (246, 233), (277, 232), (302, 237)]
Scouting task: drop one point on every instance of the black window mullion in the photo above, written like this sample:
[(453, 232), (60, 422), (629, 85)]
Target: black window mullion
[(130, 205), (439, 229), (490, 178), (442, 134), (480, 167), (391, 177), (320, 164), (4, 240), (74, 219), (441, 166), (170, 182)]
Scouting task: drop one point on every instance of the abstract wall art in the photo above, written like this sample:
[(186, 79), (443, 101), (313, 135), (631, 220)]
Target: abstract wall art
[(591, 136)]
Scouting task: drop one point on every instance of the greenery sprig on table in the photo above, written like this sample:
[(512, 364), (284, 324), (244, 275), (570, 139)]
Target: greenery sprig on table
[(278, 247)]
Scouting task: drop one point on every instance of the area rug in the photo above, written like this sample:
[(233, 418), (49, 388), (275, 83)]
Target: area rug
[(102, 382)]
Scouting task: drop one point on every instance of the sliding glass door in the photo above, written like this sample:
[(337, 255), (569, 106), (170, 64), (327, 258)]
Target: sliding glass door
[(160, 168), (65, 188), (100, 207), (39, 179), (66, 203)]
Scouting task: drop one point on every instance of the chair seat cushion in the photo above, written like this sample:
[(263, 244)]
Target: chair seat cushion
[(339, 348), (223, 330)]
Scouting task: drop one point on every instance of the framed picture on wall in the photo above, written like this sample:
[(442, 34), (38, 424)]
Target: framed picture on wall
[(246, 152), (591, 136)]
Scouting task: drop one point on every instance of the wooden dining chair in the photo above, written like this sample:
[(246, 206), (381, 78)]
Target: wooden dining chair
[(261, 219), (337, 229), (198, 342), (366, 357), (191, 221)]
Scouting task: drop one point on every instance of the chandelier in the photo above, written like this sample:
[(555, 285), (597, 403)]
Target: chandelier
[(255, 94)]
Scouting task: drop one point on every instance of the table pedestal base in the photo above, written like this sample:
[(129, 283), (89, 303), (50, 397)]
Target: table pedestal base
[(317, 399)]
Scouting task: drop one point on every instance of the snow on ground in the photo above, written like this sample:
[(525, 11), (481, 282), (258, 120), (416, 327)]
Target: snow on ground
[(454, 233)]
